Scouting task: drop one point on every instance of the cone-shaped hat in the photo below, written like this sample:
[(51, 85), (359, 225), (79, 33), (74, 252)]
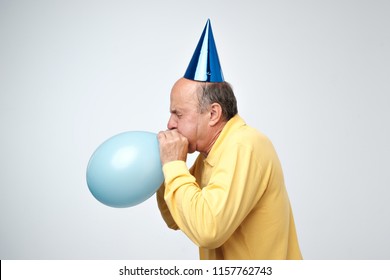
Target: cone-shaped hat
[(204, 65)]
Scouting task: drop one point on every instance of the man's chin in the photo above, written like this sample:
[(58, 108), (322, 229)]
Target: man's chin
[(191, 150)]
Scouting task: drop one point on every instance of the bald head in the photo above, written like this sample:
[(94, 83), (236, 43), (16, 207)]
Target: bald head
[(209, 93)]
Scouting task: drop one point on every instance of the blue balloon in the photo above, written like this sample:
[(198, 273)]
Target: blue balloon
[(125, 170)]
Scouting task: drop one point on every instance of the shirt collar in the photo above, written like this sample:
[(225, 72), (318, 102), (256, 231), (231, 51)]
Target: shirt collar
[(232, 125)]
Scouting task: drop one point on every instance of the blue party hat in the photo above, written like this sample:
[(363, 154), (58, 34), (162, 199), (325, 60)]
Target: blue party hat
[(204, 65)]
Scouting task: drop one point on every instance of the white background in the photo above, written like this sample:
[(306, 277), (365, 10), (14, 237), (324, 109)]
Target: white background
[(312, 75)]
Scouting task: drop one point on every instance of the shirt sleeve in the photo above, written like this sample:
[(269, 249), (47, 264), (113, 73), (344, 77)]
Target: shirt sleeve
[(166, 215), (162, 205), (209, 215)]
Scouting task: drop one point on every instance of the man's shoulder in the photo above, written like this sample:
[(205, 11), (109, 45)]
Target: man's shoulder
[(246, 134)]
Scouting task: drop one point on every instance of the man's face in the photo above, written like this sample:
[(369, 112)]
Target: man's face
[(185, 114)]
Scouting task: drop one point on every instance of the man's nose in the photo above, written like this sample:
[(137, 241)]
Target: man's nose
[(172, 124)]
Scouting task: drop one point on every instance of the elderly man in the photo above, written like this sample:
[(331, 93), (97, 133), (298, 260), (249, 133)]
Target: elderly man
[(232, 203)]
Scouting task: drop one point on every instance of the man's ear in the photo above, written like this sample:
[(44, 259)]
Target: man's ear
[(215, 114)]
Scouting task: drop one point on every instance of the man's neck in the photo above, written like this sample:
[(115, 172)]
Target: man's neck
[(217, 131)]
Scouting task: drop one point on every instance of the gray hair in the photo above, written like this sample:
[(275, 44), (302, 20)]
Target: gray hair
[(221, 93)]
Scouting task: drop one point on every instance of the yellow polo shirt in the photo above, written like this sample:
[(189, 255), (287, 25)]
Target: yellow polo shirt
[(232, 204)]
